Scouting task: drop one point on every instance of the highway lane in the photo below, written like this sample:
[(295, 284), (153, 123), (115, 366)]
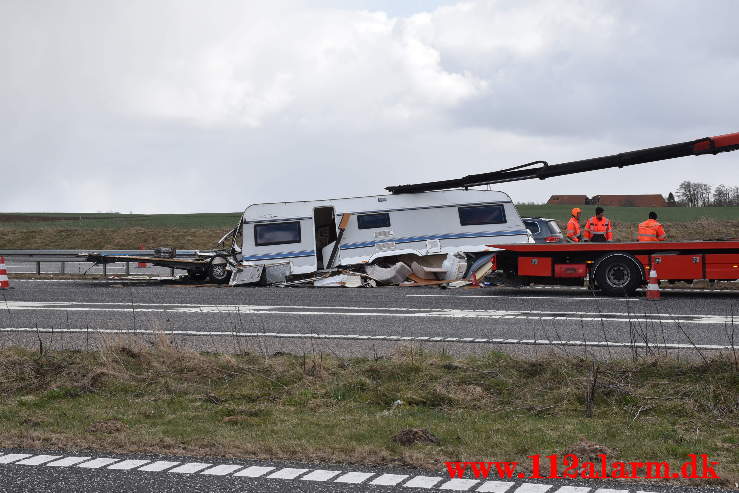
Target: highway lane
[(530, 314)]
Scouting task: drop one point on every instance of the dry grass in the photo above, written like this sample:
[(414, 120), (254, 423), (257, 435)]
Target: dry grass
[(204, 238), (102, 239), (131, 397)]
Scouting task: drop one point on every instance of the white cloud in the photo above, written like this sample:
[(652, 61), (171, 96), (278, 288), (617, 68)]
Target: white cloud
[(177, 105)]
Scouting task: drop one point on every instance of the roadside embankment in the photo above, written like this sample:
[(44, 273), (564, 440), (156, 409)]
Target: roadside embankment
[(131, 397)]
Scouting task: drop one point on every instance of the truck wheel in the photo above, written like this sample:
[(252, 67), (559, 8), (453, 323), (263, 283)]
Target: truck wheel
[(197, 275), (618, 275), (217, 271)]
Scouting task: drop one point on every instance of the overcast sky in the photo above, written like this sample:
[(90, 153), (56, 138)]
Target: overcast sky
[(186, 106)]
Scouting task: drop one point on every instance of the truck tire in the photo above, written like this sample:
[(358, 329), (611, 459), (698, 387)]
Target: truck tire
[(197, 275), (618, 275), (217, 271)]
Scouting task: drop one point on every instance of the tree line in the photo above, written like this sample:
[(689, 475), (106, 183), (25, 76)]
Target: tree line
[(694, 194)]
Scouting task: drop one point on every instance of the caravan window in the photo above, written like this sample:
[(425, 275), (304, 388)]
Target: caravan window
[(371, 221), (482, 214), (276, 233)]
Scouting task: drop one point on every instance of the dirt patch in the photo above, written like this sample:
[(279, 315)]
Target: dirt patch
[(414, 435), (589, 451)]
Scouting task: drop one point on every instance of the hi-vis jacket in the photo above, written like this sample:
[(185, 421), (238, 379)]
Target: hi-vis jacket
[(651, 230), (573, 230), (600, 226)]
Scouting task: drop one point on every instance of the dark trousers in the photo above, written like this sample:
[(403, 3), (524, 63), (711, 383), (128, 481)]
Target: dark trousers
[(598, 238)]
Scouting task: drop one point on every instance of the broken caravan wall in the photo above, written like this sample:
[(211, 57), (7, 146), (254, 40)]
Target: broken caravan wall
[(420, 224)]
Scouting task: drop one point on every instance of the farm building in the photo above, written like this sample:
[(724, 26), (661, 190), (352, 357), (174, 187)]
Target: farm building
[(653, 200)]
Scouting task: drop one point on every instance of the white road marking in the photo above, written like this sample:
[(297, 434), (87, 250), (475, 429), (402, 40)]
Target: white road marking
[(157, 466), (190, 467), (96, 463), (422, 482), (515, 296), (287, 473), (354, 477), (320, 475), (533, 488), (458, 484), (128, 464), (254, 471), (222, 470), (573, 489), (389, 479), (68, 461), (495, 486), (358, 337), (353, 311), (38, 459)]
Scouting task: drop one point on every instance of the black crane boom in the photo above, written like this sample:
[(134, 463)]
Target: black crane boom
[(707, 145)]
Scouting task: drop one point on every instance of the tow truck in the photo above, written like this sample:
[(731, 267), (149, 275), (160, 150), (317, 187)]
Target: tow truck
[(616, 269)]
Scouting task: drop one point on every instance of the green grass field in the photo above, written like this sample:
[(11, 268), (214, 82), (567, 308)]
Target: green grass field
[(226, 220), (631, 214), (223, 220)]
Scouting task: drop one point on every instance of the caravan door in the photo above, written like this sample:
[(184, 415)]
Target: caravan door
[(324, 225)]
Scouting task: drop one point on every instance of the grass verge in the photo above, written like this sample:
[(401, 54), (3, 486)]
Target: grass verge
[(130, 398)]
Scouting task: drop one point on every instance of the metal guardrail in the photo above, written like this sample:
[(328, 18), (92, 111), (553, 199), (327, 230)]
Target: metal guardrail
[(68, 256)]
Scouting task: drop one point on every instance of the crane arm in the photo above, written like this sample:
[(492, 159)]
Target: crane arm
[(707, 145)]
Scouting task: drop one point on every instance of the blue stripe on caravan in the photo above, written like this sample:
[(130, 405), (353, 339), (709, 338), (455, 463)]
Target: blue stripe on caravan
[(268, 256), (447, 236)]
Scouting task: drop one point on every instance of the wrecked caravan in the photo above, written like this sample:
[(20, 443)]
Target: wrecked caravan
[(435, 234)]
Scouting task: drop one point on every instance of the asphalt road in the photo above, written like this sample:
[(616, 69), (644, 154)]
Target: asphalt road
[(54, 471), (345, 317)]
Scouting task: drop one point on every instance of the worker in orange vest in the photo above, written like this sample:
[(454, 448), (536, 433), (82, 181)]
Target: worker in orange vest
[(598, 228), (573, 226), (651, 230)]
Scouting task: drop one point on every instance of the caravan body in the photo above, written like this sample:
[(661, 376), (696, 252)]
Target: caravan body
[(300, 236)]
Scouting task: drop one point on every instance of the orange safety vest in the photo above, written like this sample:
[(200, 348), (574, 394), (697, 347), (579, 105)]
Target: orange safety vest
[(598, 226), (651, 230), (573, 229)]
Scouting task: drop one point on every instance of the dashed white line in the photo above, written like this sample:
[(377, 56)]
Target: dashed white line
[(320, 475), (37, 460), (422, 482), (606, 490), (287, 473), (68, 461), (254, 471), (128, 464), (190, 468), (157, 466), (354, 477), (459, 484), (533, 488), (97, 463), (222, 470), (389, 479), (495, 486)]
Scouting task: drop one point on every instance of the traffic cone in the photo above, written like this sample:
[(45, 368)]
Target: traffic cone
[(653, 286), (4, 284)]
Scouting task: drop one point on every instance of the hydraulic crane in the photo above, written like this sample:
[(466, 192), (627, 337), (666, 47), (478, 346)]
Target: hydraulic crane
[(707, 145)]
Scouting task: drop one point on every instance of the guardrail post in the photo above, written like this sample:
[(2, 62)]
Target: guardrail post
[(38, 267), (63, 270), (171, 271), (128, 268), (105, 270)]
